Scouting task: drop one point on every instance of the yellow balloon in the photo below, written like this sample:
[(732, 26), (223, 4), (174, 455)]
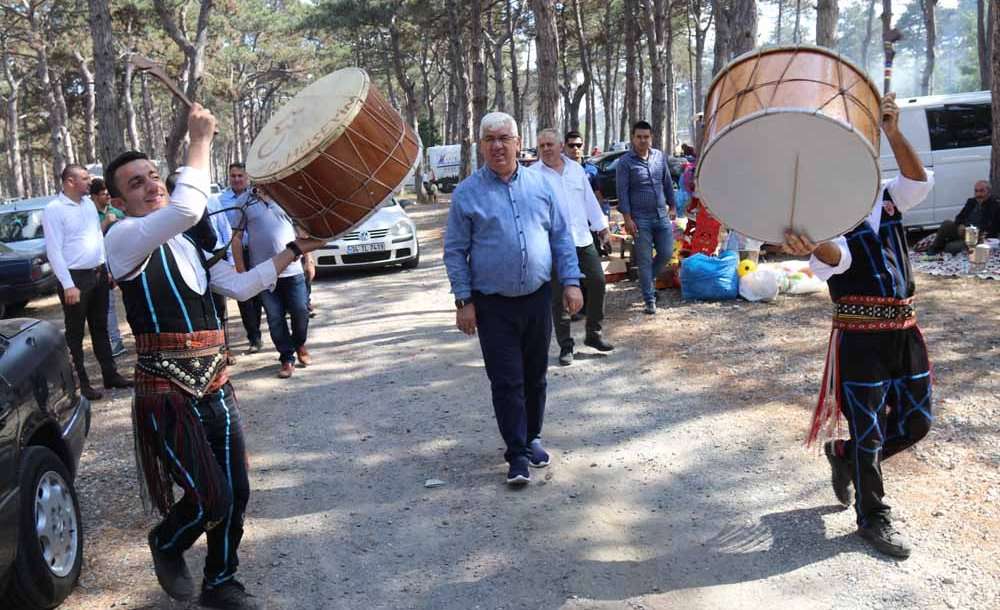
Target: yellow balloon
[(746, 266)]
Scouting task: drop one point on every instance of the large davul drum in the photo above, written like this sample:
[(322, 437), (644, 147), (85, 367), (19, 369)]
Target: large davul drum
[(791, 140), (333, 153)]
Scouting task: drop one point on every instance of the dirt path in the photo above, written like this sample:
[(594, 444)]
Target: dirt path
[(678, 478)]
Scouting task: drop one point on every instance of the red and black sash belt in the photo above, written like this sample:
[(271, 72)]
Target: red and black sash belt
[(873, 314), (192, 362)]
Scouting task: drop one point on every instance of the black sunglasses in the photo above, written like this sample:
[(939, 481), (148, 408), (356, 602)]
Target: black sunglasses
[(575, 144)]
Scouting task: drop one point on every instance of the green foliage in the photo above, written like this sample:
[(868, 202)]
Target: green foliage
[(428, 132)]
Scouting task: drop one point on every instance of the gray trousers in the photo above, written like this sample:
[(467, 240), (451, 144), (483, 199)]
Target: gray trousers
[(593, 284)]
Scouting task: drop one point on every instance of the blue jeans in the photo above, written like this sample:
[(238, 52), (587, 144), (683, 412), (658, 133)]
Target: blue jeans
[(655, 233), (288, 297)]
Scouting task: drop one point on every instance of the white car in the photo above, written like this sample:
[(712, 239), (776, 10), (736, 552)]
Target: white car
[(388, 237)]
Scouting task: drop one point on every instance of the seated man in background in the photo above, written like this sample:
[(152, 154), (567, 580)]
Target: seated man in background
[(981, 211)]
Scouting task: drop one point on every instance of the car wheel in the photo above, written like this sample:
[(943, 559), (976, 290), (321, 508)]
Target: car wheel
[(413, 262), (50, 536)]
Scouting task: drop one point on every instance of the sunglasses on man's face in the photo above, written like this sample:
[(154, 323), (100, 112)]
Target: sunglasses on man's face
[(575, 144)]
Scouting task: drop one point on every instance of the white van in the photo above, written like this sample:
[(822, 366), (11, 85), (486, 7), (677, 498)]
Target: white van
[(951, 133), (445, 163)]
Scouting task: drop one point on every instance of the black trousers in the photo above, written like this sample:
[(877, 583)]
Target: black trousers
[(593, 283), (885, 388), (92, 310), (947, 239), (514, 334), (251, 311), (191, 516)]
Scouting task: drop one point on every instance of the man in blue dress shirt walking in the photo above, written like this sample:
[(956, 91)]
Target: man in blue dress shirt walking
[(646, 201), (505, 235)]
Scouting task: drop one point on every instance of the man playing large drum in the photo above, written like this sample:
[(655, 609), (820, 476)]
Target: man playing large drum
[(877, 369)]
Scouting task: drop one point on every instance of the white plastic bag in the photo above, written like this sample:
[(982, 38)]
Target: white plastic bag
[(760, 285)]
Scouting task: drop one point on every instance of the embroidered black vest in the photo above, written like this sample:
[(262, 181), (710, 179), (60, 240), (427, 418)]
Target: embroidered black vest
[(880, 265), (159, 301)]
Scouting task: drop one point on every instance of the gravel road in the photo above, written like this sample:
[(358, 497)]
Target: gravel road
[(678, 479)]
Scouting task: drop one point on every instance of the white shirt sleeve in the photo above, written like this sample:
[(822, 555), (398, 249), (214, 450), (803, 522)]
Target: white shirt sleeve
[(130, 241), (824, 271), (595, 215), (906, 193), (224, 279), (53, 227)]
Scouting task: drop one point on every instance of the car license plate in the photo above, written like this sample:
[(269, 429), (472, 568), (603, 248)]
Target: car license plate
[(358, 249)]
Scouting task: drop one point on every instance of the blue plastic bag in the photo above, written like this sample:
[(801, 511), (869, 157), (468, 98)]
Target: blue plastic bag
[(710, 278)]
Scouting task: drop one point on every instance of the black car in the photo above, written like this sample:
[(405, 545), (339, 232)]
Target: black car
[(607, 164), (43, 425), (25, 272)]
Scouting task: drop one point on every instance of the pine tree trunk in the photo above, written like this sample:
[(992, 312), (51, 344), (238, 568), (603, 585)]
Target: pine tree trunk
[(827, 12), (89, 137), (866, 43), (194, 67), (995, 63), (983, 16), (110, 135), (744, 26), (723, 35), (463, 91), (930, 27), (781, 20), (654, 19), (12, 123), (631, 108), (700, 34), (56, 144), (547, 43), (131, 123), (797, 38), (411, 103), (477, 52), (515, 87)]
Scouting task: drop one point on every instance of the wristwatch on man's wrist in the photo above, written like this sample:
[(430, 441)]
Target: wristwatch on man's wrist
[(460, 303), (296, 250)]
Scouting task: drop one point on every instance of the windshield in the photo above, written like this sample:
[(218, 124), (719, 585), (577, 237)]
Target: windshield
[(21, 226)]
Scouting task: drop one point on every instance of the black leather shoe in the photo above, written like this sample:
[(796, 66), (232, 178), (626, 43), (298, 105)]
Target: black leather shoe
[(90, 393), (230, 595), (117, 381), (596, 341), (171, 571), (840, 474), (881, 534), (565, 356)]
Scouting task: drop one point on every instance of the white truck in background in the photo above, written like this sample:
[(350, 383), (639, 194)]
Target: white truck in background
[(444, 164), (951, 133)]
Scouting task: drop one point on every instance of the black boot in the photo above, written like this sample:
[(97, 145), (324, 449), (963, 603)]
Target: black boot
[(88, 392), (116, 380), (566, 355), (171, 571), (596, 341), (881, 534), (840, 474), (230, 595)]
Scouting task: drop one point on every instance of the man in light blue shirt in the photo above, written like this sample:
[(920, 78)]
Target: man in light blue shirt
[(505, 236), (231, 199), (646, 201)]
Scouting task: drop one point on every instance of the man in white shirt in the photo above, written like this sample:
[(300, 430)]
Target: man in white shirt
[(583, 214), (74, 245), (877, 370), (186, 419)]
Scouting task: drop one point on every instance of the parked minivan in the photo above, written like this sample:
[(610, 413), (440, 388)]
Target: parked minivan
[(951, 133)]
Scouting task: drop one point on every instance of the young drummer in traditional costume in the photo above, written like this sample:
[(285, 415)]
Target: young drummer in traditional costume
[(877, 369), (186, 420)]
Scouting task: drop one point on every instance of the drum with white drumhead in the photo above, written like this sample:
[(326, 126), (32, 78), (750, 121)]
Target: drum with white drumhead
[(791, 140), (333, 153)]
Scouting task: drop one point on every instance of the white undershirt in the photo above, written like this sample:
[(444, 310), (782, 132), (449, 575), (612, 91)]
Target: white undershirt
[(130, 242)]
